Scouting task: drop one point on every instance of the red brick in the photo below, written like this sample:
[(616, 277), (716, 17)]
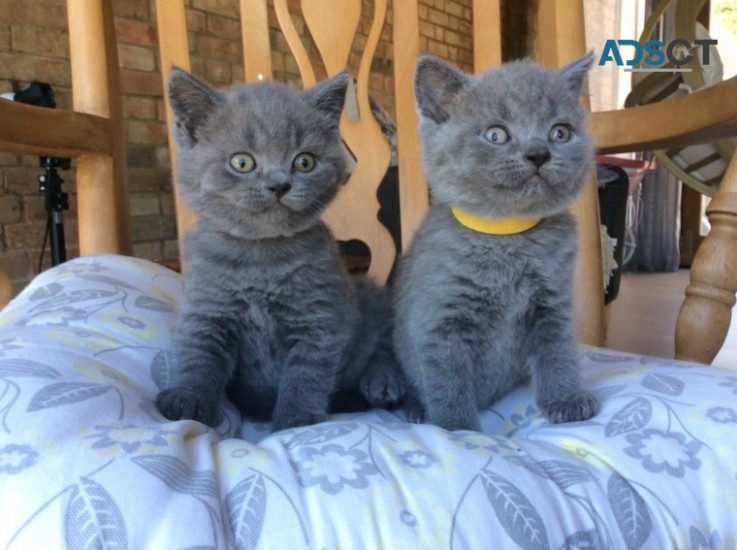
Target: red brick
[(22, 180), (222, 7), (8, 159), (41, 13), (25, 235), (141, 33), (137, 57), (224, 27), (218, 48), (29, 68), (4, 38), (140, 107), (141, 83), (148, 250), (217, 72), (149, 179), (196, 20), (141, 131), (17, 264), (34, 208), (40, 41), (153, 228), (133, 9), (10, 210), (145, 204)]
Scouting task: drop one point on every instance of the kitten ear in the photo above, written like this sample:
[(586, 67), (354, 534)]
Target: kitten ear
[(328, 95), (575, 72), (192, 101), (436, 85)]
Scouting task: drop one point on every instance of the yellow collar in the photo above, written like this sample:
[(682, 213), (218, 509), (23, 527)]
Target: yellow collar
[(501, 226)]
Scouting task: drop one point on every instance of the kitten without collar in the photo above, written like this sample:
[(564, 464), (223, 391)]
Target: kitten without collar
[(269, 315)]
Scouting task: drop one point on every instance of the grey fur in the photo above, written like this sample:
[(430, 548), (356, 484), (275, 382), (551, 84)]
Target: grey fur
[(478, 314), (269, 315)]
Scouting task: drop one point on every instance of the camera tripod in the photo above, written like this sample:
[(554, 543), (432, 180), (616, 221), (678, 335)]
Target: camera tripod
[(56, 201)]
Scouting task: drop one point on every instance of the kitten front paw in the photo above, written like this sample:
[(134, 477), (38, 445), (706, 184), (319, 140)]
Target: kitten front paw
[(183, 403), (413, 408), (576, 407), (382, 389)]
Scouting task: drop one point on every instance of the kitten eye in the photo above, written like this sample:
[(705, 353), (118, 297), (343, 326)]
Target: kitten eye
[(304, 162), (496, 135), (560, 133), (242, 162)]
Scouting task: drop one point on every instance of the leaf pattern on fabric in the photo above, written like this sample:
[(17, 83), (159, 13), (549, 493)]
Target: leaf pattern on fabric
[(24, 367), (75, 297), (634, 415), (108, 280), (92, 519), (630, 512), (178, 476), (45, 292), (152, 304), (515, 512), (430, 487), (663, 383), (315, 435), (563, 474), (246, 506), (66, 393)]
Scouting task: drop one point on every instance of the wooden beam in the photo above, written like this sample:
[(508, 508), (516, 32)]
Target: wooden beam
[(413, 194), (560, 40), (31, 130), (102, 182), (174, 50), (705, 116)]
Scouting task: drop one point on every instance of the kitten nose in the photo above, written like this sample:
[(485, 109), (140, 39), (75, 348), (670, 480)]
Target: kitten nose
[(538, 154), (280, 189)]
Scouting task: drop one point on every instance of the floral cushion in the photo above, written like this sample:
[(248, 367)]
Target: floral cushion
[(86, 460)]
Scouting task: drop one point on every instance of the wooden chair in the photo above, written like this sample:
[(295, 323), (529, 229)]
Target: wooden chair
[(700, 166), (92, 133), (93, 136)]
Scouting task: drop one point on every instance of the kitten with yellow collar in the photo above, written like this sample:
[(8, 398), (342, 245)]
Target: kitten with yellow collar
[(483, 298)]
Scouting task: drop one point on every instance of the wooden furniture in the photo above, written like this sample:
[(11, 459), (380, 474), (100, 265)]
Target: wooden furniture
[(93, 135)]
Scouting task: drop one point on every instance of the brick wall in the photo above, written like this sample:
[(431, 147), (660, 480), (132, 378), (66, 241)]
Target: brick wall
[(34, 45)]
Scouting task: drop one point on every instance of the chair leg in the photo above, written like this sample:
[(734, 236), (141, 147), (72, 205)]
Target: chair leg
[(706, 312)]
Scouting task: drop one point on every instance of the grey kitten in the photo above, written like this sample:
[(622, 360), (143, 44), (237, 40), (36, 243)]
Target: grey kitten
[(478, 314), (269, 315)]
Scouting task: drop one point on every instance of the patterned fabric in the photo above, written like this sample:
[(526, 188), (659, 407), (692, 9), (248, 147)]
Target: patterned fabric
[(86, 460)]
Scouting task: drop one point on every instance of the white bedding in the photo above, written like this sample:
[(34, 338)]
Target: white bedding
[(86, 460)]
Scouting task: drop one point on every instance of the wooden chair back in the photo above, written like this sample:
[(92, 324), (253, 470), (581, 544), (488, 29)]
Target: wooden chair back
[(92, 133)]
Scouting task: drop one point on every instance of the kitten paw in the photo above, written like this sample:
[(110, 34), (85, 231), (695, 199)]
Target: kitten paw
[(577, 406), (182, 403), (382, 389), (413, 408)]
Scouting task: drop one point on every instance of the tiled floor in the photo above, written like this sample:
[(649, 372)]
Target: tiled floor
[(643, 317)]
